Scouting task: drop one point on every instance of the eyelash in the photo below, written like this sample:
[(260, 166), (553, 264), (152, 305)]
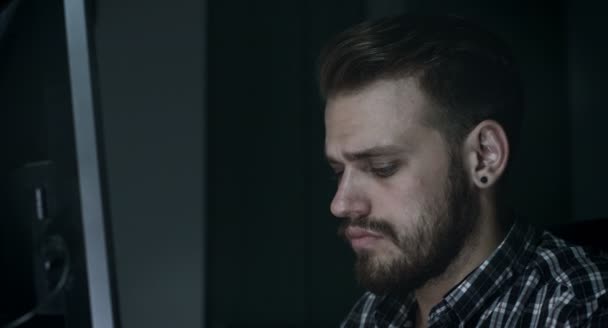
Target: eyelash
[(381, 172), (385, 171)]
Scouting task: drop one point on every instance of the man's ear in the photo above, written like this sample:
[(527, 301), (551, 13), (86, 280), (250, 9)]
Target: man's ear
[(486, 153)]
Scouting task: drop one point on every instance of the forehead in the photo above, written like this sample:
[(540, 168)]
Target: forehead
[(385, 113)]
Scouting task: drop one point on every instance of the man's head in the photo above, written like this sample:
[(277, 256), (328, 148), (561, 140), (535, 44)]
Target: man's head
[(418, 110)]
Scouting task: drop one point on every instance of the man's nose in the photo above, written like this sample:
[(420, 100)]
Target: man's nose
[(350, 200)]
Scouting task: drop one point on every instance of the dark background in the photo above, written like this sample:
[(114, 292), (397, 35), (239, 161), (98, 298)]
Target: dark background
[(213, 131)]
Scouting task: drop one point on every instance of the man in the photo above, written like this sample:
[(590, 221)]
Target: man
[(422, 116)]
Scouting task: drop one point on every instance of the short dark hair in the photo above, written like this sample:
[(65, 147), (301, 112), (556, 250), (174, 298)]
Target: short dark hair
[(466, 71)]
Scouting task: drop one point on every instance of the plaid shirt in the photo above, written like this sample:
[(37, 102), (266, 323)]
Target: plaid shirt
[(533, 279)]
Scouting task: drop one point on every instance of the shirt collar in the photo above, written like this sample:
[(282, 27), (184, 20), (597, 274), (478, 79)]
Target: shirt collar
[(480, 286), (393, 311)]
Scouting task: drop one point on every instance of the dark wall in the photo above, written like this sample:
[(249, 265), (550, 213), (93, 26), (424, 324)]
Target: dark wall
[(149, 57), (274, 258), (587, 69)]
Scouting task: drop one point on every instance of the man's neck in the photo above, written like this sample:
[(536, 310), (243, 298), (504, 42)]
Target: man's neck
[(484, 240)]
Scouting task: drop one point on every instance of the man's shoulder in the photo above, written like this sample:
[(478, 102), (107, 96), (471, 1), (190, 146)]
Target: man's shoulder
[(570, 270), (557, 283)]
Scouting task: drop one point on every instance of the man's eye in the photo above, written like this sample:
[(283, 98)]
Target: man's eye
[(384, 171)]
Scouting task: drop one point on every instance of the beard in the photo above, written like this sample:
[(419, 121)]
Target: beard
[(425, 250)]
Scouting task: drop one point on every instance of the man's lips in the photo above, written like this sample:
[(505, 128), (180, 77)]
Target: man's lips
[(361, 238), (357, 232)]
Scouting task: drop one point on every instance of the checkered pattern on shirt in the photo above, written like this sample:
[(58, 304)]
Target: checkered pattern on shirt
[(533, 279)]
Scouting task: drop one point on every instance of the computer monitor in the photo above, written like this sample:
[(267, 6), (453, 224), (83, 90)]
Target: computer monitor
[(56, 255)]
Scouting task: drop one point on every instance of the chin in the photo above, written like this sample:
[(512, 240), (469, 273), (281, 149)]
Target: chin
[(385, 272)]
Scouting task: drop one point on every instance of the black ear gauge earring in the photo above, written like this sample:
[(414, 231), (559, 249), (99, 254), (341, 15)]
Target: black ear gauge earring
[(484, 179)]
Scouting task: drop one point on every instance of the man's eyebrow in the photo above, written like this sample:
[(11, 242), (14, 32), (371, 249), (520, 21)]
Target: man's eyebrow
[(371, 152)]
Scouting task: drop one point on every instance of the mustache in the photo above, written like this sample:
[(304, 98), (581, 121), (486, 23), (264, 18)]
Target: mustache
[(377, 225)]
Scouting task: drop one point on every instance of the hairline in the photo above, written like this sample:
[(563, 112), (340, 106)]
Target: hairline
[(435, 116)]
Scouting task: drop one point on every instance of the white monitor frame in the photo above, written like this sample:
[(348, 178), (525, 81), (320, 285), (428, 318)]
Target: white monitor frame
[(85, 130)]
